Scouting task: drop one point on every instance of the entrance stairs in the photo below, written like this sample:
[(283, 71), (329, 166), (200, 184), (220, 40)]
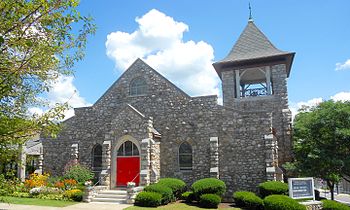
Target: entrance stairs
[(117, 196)]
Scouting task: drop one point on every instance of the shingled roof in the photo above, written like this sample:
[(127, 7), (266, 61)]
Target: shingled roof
[(253, 46)]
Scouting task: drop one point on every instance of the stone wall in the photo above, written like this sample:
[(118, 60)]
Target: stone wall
[(226, 138), (277, 103)]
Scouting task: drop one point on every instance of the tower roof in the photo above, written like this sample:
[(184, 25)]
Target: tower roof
[(253, 47)]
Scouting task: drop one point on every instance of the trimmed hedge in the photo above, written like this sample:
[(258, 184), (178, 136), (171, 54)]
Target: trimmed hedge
[(209, 200), (282, 202), (273, 188), (208, 186), (334, 205), (75, 195), (177, 186), (188, 196), (148, 199), (166, 192), (248, 200)]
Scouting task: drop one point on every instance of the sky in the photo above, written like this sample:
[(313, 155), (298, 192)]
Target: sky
[(181, 39)]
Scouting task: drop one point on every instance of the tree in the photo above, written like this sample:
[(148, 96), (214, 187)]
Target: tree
[(322, 142), (39, 40)]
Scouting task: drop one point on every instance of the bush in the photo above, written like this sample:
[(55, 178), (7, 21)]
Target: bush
[(75, 195), (44, 190), (208, 186), (248, 200), (36, 180), (333, 205), (177, 186), (282, 202), (79, 173), (148, 199), (51, 196), (273, 188), (209, 200), (164, 191), (21, 194), (187, 196), (9, 186)]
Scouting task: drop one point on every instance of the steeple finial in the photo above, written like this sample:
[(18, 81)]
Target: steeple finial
[(250, 14)]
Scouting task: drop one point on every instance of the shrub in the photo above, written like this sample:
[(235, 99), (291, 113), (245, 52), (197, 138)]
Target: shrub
[(44, 190), (148, 199), (75, 195), (21, 194), (209, 200), (333, 205), (79, 173), (51, 196), (282, 202), (9, 186), (188, 196), (177, 186), (164, 191), (208, 186), (36, 180), (248, 200), (273, 188)]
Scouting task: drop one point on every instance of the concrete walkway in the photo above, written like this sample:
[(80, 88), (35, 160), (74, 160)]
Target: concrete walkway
[(79, 206)]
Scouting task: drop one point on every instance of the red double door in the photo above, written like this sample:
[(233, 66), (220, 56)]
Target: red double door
[(128, 168)]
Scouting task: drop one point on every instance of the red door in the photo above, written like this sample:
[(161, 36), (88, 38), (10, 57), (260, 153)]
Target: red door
[(127, 169)]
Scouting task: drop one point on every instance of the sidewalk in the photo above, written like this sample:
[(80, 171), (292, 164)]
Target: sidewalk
[(342, 198), (79, 206)]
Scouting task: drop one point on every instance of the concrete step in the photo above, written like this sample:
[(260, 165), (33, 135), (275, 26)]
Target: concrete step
[(109, 200), (112, 203), (113, 192), (103, 195), (110, 196)]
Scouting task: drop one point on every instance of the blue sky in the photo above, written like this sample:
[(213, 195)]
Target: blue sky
[(318, 31)]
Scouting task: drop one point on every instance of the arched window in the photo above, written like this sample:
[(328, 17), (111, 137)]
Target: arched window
[(185, 156), (138, 86), (97, 157), (128, 149)]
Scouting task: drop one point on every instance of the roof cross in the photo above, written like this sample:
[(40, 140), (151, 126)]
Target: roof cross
[(250, 13)]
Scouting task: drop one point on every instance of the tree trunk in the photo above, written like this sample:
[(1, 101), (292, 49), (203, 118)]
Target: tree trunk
[(331, 188)]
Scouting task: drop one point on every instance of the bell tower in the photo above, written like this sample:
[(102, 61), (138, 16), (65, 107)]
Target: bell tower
[(254, 78)]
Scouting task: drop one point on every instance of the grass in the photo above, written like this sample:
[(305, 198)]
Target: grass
[(173, 206), (35, 201)]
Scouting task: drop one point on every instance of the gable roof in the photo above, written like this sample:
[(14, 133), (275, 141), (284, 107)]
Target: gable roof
[(252, 45), (137, 62)]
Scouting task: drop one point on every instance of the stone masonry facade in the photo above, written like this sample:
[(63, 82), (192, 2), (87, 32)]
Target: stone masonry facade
[(242, 142)]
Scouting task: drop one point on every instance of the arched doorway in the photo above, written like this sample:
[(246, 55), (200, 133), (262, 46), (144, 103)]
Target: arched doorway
[(128, 164)]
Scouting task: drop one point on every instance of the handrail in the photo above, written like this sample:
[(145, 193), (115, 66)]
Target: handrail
[(135, 177), (99, 180)]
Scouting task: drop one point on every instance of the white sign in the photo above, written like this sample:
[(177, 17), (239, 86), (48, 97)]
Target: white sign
[(300, 188)]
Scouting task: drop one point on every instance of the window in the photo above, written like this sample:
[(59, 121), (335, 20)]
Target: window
[(128, 149), (185, 156), (97, 157), (138, 86)]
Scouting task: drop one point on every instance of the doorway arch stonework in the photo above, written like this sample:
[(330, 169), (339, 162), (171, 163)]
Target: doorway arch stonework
[(119, 142)]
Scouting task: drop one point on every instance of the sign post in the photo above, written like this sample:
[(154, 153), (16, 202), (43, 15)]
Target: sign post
[(300, 188)]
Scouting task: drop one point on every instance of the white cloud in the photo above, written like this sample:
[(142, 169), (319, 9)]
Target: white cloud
[(342, 96), (294, 107), (343, 66), (62, 90), (159, 41)]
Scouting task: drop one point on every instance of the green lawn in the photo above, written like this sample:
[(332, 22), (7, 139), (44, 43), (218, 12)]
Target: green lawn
[(35, 201), (174, 206)]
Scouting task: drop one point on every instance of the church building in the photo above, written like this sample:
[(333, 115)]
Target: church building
[(144, 127)]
